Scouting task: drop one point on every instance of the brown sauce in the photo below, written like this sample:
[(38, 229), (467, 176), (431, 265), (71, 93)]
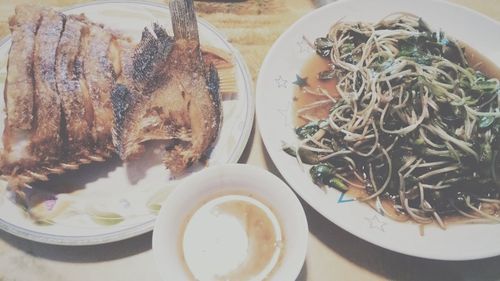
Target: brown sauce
[(260, 230), (312, 67), (261, 238), (387, 204), (480, 62)]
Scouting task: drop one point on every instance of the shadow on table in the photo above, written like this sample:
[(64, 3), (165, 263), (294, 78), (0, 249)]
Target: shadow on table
[(303, 273), (392, 265), (245, 155), (388, 264), (81, 254)]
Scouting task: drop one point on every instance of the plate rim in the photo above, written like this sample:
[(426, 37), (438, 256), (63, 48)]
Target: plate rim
[(147, 225), (307, 196)]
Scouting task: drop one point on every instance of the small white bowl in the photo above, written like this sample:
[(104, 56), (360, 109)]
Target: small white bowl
[(232, 179)]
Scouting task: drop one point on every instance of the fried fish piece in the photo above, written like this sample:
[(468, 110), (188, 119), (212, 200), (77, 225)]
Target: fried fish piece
[(19, 88), (100, 78), (168, 94), (71, 80), (46, 140), (29, 158), (76, 104)]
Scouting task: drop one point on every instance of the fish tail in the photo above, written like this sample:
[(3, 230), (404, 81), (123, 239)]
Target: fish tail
[(184, 21)]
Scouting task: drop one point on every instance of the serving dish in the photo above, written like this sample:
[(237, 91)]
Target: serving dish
[(111, 201), (275, 88), (223, 180)]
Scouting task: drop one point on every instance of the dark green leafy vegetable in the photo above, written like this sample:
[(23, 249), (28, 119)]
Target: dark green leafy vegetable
[(310, 129), (326, 75), (321, 173), (338, 184), (308, 157), (289, 149), (486, 121), (307, 130), (323, 46), (414, 121)]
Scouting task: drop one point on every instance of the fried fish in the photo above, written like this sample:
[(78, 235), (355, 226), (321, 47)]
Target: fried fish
[(77, 92), (168, 94), (76, 104)]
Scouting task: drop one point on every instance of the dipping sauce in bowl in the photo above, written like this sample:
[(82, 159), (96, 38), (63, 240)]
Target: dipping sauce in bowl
[(232, 237), (232, 223)]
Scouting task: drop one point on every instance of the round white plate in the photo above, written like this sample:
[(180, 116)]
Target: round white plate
[(107, 202), (274, 115)]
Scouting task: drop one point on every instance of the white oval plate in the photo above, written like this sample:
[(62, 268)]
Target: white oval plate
[(274, 116), (127, 197)]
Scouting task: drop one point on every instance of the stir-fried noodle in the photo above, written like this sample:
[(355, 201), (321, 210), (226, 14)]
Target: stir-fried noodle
[(414, 123)]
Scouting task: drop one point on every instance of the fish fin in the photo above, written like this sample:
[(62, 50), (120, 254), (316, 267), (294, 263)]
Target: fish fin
[(226, 69), (123, 102), (146, 72), (150, 57), (227, 82), (213, 86), (184, 21), (212, 78)]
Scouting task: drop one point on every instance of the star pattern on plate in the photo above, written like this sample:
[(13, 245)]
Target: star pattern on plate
[(375, 223), (281, 82), (285, 113), (300, 81), (124, 203), (304, 45), (344, 199)]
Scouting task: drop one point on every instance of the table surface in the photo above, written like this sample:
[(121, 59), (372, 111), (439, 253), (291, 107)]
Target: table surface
[(251, 26)]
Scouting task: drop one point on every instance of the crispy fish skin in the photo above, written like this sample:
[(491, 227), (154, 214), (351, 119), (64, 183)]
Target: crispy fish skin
[(149, 59), (143, 72), (173, 96), (20, 87), (46, 140), (76, 104), (66, 131), (197, 94), (100, 78)]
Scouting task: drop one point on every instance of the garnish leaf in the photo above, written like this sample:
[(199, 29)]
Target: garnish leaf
[(104, 217), (486, 121)]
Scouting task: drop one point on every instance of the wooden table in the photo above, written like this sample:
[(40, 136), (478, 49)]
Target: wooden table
[(333, 254)]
